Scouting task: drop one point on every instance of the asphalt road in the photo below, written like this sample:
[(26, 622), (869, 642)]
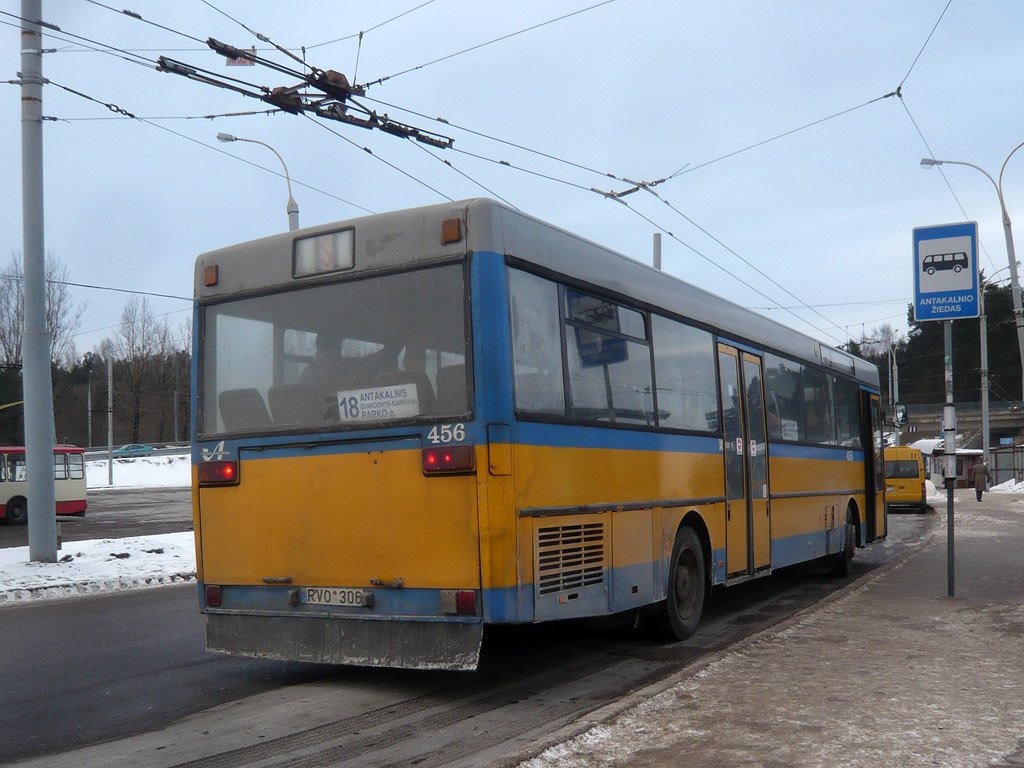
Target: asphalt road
[(98, 669), (117, 514)]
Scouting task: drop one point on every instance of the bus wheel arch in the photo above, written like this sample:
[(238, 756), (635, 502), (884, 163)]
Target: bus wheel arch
[(687, 584), (16, 511)]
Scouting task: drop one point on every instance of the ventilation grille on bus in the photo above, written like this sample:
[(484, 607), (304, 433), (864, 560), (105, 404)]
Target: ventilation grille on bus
[(570, 557)]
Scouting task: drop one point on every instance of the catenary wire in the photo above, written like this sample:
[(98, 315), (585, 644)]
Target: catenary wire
[(217, 149), (138, 17), (371, 29), (489, 42), (462, 173), (944, 178), (376, 157), (927, 40)]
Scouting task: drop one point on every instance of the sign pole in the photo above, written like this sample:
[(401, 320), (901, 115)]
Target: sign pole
[(947, 288), (949, 435)]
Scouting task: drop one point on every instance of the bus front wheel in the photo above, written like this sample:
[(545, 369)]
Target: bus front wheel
[(679, 616), (17, 512)]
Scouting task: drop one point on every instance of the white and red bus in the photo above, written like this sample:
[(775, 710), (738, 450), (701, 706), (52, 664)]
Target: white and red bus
[(68, 483)]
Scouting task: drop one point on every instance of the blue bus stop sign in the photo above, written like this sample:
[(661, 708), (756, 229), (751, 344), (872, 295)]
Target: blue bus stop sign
[(946, 272)]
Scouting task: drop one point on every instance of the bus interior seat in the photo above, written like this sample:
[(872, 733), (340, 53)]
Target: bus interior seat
[(243, 409), (451, 389), (424, 391), (295, 404)]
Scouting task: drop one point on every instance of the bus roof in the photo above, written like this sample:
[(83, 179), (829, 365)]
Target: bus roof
[(414, 235)]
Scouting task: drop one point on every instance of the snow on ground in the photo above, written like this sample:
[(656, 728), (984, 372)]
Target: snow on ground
[(143, 472), (1010, 486), (100, 565), (108, 565)]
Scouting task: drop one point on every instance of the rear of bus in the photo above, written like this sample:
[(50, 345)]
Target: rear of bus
[(905, 487), (335, 467)]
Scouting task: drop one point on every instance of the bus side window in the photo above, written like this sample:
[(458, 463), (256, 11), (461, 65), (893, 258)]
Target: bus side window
[(77, 466), (3, 467), (536, 345), (60, 466)]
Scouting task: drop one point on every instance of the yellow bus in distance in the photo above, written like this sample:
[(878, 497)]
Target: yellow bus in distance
[(905, 486)]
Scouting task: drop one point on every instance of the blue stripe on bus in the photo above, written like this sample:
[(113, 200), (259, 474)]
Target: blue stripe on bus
[(824, 452), (794, 550), (571, 436), (387, 603)]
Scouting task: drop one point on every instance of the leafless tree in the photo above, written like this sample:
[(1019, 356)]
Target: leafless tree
[(141, 343), (878, 343), (63, 315)]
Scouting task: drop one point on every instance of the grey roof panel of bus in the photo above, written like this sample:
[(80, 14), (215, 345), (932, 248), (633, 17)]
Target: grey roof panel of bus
[(492, 226)]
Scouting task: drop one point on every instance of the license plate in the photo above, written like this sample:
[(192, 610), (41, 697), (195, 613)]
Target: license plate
[(340, 596)]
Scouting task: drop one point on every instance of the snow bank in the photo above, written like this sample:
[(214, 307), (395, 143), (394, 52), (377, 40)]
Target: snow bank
[(1010, 486), (142, 472), (101, 565)]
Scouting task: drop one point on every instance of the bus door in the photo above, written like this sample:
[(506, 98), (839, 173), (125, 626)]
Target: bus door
[(874, 464), (748, 512)]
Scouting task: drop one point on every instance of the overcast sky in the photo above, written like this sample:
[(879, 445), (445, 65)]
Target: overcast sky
[(636, 88)]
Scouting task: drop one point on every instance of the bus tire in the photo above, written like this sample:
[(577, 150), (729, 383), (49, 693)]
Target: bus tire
[(679, 615), (842, 562), (17, 511)]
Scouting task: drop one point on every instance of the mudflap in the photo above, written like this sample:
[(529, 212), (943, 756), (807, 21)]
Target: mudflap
[(400, 643)]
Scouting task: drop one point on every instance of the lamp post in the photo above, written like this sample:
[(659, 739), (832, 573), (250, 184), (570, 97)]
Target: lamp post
[(894, 387), (293, 207), (983, 328), (1018, 312)]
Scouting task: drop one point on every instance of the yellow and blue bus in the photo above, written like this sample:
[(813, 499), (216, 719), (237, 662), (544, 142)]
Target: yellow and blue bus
[(411, 425)]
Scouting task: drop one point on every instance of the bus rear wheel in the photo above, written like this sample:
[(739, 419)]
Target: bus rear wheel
[(16, 512), (680, 614)]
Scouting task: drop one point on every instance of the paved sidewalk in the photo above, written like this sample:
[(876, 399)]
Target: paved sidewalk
[(890, 673)]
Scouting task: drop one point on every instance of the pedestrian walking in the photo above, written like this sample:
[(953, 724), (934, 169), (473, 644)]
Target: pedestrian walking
[(980, 478)]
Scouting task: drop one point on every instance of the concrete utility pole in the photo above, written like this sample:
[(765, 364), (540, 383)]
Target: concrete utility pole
[(38, 386), (110, 417)]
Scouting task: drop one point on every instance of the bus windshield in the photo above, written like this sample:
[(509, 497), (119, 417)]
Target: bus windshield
[(351, 354)]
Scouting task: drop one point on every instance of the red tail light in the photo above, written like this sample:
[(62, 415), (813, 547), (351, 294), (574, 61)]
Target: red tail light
[(449, 459), (218, 473), (465, 601), (214, 596)]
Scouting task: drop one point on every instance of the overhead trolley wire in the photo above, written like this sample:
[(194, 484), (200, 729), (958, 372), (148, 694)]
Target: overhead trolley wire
[(489, 42), (465, 175), (371, 29), (147, 121), (55, 32), (927, 40), (259, 36), (377, 157), (944, 177), (138, 17)]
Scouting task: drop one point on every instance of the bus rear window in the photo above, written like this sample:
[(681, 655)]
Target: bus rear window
[(902, 470), (346, 355)]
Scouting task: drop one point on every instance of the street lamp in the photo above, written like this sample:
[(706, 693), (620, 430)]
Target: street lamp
[(983, 328), (293, 207), (1018, 312)]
